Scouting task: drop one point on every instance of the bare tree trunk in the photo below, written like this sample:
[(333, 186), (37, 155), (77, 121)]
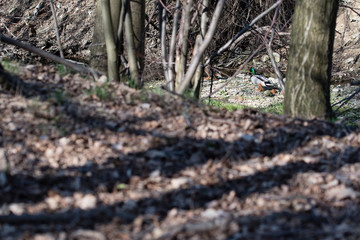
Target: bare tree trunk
[(111, 49), (130, 47), (207, 39), (182, 49), (196, 80), (98, 59), (171, 65), (138, 24), (162, 28), (308, 77)]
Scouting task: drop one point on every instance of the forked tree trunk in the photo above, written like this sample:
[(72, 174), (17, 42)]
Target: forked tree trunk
[(98, 58), (307, 92), (111, 49), (196, 80), (182, 48), (134, 33)]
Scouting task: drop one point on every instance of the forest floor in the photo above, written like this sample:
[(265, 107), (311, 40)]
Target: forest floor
[(97, 160)]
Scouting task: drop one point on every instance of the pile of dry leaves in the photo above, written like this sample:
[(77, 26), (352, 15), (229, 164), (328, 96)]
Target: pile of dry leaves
[(90, 160)]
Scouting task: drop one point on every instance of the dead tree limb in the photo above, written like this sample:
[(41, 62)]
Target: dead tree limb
[(42, 53)]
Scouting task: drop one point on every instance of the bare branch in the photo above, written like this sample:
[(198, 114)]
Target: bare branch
[(271, 54), (228, 44)]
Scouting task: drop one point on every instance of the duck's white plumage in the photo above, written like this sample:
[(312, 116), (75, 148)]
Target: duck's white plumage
[(261, 80)]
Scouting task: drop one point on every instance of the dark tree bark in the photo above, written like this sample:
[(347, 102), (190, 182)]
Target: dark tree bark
[(307, 92)]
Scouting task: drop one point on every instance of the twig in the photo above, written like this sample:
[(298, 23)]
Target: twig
[(352, 9), (37, 8), (8, 30), (164, 5), (47, 55), (271, 54), (56, 29), (228, 44)]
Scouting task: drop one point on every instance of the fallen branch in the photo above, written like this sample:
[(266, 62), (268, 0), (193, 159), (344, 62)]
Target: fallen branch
[(47, 55)]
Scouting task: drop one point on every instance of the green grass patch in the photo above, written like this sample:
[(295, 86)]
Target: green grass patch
[(102, 91), (10, 67), (60, 97), (227, 106), (277, 109), (273, 109), (348, 116)]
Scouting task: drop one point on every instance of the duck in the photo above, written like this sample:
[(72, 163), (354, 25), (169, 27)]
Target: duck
[(263, 82)]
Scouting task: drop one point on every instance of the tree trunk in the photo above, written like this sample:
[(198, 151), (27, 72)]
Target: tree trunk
[(130, 47), (196, 80), (111, 49), (138, 21), (307, 92), (182, 48), (98, 59)]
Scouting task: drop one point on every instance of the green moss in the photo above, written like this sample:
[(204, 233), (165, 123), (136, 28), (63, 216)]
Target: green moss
[(274, 109)]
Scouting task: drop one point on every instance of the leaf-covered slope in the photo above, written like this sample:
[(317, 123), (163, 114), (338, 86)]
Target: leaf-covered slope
[(103, 160)]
